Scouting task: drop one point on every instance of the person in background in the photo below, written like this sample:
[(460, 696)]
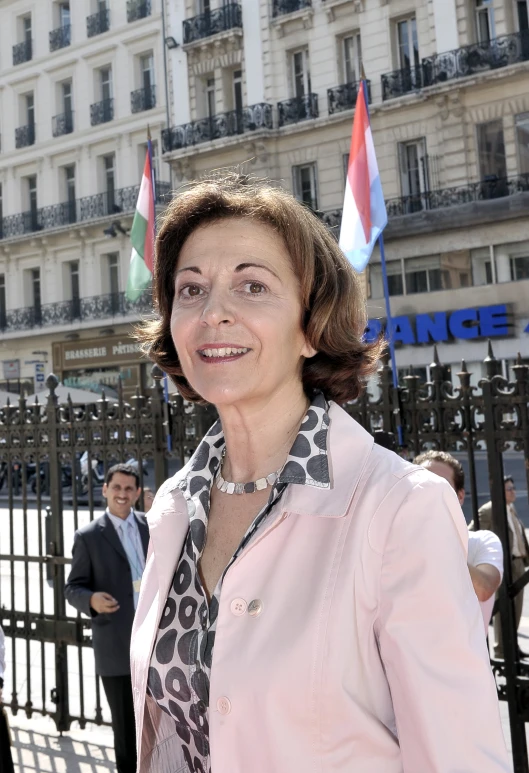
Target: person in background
[(104, 584), (6, 760), (519, 552), (148, 498), (485, 554)]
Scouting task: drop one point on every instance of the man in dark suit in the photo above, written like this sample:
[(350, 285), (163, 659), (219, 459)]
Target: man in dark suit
[(518, 550), (104, 582)]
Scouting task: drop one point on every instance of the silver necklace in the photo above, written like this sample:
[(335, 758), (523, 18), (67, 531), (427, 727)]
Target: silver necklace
[(229, 487)]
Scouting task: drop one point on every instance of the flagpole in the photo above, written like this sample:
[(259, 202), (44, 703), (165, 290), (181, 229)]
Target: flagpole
[(153, 183)]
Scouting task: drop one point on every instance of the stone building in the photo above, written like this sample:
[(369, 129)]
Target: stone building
[(273, 85), (80, 82), (270, 85)]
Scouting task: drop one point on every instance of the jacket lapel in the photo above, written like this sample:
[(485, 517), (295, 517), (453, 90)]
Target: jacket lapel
[(168, 521), (144, 532), (109, 533)]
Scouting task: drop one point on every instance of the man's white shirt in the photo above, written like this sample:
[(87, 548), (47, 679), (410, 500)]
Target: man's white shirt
[(484, 547)]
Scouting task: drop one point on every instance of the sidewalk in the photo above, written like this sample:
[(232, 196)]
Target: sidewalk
[(38, 748)]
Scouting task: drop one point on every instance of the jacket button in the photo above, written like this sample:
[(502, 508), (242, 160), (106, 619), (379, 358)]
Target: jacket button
[(238, 607), (255, 607), (223, 706)]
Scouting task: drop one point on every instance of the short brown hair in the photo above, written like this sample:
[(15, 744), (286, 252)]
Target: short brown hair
[(444, 458), (334, 313)]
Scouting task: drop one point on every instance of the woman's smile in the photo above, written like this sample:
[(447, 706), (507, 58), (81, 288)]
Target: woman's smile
[(220, 353)]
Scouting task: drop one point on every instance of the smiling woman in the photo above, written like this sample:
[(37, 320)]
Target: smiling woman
[(288, 620)]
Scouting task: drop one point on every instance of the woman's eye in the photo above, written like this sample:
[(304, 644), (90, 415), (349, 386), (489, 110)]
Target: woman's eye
[(254, 288), (190, 291)]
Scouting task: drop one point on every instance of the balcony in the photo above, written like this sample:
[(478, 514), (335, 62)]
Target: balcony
[(297, 109), (114, 202), (344, 97), (476, 58), (485, 190), (25, 136), (97, 23), (281, 7), (101, 112), (23, 52), (400, 82), (211, 23), (138, 9), (60, 38), (62, 124), (228, 124), (143, 99), (75, 310)]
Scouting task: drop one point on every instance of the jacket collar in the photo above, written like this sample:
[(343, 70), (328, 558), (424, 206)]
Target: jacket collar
[(348, 449)]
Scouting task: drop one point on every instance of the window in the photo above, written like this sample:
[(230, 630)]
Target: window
[(203, 6), (301, 73), (395, 281), (30, 109), (69, 188), (112, 280), (522, 142), (66, 93), (75, 293), (142, 152), (523, 15), (352, 58), (26, 29), (484, 10), (109, 182), (63, 13), (210, 97), (35, 295), (423, 275), (3, 307), (147, 71), (105, 82), (408, 44), (520, 268), (414, 179), (481, 265), (32, 213), (491, 151), (305, 184), (237, 91)]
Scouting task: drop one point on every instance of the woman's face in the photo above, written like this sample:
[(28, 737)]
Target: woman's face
[(236, 317)]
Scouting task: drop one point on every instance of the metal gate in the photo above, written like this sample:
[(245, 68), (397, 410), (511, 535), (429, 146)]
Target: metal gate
[(47, 498)]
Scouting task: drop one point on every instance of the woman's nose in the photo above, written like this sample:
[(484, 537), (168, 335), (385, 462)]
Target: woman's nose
[(217, 310)]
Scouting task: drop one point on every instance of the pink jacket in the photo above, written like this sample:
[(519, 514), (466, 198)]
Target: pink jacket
[(368, 655)]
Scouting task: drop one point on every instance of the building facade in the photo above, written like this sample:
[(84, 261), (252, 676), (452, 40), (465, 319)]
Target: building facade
[(268, 86), (80, 82), (271, 86)]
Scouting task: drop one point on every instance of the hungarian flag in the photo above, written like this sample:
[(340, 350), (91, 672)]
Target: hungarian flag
[(364, 209), (142, 234)]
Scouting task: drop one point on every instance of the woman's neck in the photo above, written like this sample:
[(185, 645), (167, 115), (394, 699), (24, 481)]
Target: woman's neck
[(259, 436)]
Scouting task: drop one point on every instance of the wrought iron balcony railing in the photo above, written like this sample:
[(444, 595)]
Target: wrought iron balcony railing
[(228, 124), (25, 136), (113, 202), (344, 97), (476, 58), (62, 124), (204, 25), (23, 52), (98, 23), (297, 109), (485, 190), (400, 82), (102, 112), (281, 7), (143, 99), (138, 9), (60, 38), (77, 309)]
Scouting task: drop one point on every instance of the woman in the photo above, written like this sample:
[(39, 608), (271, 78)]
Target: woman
[(306, 604)]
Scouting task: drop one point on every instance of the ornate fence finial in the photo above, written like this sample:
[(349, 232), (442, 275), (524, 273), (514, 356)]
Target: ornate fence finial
[(490, 361), (464, 368), (464, 375), (156, 372), (436, 360), (52, 382)]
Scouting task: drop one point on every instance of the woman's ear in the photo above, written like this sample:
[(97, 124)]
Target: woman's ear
[(308, 351)]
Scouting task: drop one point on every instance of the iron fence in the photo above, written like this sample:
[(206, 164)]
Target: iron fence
[(228, 124), (44, 497), (228, 17)]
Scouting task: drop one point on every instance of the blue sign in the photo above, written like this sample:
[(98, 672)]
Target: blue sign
[(462, 324)]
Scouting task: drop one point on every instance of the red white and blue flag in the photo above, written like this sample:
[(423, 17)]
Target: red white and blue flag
[(364, 210)]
